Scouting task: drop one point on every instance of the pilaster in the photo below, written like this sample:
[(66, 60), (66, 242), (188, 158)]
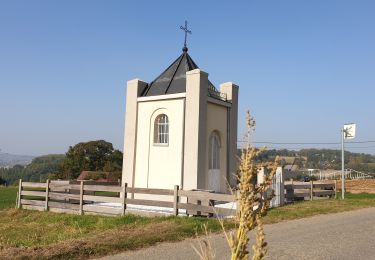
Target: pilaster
[(134, 88), (195, 130), (231, 90)]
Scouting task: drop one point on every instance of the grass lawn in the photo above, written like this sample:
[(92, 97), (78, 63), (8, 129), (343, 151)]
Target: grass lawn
[(32, 234), (8, 197)]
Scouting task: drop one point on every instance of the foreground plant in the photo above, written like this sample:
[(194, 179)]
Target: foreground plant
[(205, 250), (253, 201)]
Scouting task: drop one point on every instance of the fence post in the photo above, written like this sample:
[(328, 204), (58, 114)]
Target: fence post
[(19, 194), (81, 199), (47, 195), (335, 189), (311, 190), (16, 206), (175, 200), (124, 196)]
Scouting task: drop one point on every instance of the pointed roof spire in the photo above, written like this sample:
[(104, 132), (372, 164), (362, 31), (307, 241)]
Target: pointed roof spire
[(173, 79)]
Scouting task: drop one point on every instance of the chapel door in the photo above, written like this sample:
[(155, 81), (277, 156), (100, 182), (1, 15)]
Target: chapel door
[(214, 176)]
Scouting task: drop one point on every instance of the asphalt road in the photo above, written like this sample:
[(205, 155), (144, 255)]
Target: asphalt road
[(348, 235)]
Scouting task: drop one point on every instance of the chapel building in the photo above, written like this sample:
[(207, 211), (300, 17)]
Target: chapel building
[(181, 130)]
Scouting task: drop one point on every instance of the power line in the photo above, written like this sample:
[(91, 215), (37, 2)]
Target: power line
[(358, 147), (288, 143), (295, 146), (360, 142), (333, 148), (320, 143)]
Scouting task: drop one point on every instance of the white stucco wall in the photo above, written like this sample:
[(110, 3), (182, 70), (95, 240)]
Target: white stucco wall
[(159, 166), (217, 121)]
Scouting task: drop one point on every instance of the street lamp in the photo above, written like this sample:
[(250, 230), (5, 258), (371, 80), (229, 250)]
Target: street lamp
[(347, 132)]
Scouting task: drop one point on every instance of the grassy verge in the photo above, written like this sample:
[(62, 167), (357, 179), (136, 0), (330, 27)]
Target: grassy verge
[(49, 235), (32, 234), (311, 208)]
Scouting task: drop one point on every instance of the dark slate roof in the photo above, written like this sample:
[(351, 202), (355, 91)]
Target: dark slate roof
[(173, 79)]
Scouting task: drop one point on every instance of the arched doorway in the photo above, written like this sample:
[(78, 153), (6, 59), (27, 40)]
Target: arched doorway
[(214, 176)]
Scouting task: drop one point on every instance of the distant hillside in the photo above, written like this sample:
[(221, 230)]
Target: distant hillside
[(37, 170), (9, 160), (324, 159)]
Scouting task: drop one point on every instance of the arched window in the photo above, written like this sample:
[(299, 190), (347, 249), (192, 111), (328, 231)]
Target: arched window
[(161, 129), (214, 152)]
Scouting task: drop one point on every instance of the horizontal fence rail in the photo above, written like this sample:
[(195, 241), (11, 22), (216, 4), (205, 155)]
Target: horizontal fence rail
[(82, 198), (300, 190)]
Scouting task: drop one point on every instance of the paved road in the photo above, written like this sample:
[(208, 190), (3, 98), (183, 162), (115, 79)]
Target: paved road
[(348, 235)]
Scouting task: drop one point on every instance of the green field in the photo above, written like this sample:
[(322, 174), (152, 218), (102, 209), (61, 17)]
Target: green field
[(8, 197), (32, 234)]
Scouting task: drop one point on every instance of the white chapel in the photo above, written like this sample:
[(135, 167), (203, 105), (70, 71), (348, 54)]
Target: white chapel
[(180, 130)]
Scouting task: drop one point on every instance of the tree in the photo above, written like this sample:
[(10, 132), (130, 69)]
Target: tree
[(90, 156), (114, 164), (2, 182)]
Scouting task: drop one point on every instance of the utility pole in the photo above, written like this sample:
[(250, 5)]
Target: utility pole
[(342, 164), (347, 132)]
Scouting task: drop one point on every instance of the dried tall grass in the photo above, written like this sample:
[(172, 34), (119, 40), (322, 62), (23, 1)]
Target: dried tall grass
[(205, 250), (252, 203)]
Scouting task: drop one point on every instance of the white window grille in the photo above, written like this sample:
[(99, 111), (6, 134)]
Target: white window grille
[(214, 151), (161, 129)]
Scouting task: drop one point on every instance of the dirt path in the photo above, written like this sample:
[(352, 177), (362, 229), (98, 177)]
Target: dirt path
[(348, 235)]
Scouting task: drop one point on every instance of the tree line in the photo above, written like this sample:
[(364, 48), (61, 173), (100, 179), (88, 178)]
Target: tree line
[(36, 171), (98, 156), (324, 159)]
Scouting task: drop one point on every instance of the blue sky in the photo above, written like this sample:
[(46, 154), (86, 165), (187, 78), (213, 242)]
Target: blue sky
[(304, 67)]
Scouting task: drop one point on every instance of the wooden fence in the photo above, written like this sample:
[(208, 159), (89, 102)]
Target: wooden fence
[(63, 196), (301, 190)]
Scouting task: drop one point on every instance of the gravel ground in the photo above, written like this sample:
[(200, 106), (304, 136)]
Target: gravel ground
[(348, 235)]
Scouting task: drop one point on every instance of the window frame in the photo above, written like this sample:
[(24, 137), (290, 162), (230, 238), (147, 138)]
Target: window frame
[(214, 151), (161, 130)]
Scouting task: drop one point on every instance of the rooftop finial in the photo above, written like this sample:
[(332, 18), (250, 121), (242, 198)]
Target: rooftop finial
[(185, 29)]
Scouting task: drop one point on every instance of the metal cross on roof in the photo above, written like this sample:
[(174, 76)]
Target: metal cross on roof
[(185, 29)]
